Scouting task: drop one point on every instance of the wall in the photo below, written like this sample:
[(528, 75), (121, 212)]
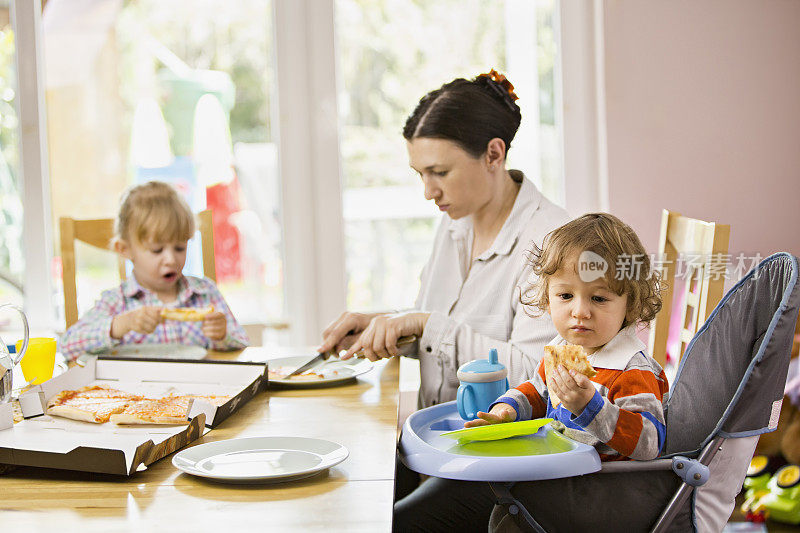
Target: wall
[(703, 116)]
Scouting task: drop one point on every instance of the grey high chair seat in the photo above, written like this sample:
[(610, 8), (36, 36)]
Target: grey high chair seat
[(727, 391)]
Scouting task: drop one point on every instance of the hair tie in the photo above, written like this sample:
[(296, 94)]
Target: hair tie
[(500, 84)]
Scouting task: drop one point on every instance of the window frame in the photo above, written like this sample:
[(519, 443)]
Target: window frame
[(34, 173), (581, 86)]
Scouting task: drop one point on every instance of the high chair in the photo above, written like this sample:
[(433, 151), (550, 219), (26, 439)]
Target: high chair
[(98, 233), (700, 246), (728, 390)]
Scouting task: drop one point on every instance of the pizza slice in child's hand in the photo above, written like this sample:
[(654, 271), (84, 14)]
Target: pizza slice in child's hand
[(187, 314), (571, 357)]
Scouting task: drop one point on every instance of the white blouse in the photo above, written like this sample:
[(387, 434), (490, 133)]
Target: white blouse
[(475, 309)]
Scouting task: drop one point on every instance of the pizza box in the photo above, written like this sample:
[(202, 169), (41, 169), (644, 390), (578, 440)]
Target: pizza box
[(55, 442)]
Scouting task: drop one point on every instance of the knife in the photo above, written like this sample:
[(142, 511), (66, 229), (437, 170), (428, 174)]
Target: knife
[(314, 361), (310, 364)]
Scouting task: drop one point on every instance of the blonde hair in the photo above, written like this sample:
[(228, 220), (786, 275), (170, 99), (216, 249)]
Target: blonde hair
[(610, 238), (153, 212)]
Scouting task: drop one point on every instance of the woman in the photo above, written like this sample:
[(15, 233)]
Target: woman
[(458, 138)]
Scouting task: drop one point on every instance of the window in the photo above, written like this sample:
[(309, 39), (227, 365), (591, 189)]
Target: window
[(391, 52), (140, 91)]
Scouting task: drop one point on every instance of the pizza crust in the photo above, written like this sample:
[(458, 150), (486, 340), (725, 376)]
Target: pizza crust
[(186, 314), (571, 357), (65, 411)]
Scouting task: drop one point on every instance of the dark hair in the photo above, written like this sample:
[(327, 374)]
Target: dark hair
[(467, 112)]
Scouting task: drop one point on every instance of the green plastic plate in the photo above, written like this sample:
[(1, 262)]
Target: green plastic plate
[(498, 431)]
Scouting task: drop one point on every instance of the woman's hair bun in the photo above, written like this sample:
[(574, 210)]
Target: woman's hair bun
[(468, 112)]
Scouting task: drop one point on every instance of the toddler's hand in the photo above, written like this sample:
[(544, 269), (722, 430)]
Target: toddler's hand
[(215, 326), (500, 413), (574, 389), (143, 320)]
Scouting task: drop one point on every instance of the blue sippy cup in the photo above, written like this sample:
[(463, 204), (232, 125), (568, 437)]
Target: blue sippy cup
[(482, 382)]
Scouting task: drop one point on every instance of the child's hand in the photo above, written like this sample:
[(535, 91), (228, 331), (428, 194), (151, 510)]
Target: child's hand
[(500, 413), (574, 389), (143, 320), (215, 326)]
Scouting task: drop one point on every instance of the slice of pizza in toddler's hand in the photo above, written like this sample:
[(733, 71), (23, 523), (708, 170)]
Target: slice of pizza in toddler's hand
[(187, 314), (571, 357)]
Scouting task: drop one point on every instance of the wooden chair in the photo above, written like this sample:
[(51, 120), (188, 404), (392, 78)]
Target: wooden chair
[(707, 244), (98, 233)]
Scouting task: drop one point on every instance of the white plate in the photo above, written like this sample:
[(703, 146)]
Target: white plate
[(260, 459), (345, 370), (160, 351)]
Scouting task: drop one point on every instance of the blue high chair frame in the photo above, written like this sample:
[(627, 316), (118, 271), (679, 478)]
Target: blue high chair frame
[(734, 368)]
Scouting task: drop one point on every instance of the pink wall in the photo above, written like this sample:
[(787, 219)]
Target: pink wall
[(703, 115)]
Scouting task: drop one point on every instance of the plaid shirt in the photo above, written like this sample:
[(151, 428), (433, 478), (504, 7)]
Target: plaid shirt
[(92, 333)]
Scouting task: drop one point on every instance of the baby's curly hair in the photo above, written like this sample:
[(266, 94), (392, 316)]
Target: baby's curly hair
[(610, 238)]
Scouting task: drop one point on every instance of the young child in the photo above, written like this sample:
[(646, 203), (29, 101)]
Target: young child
[(152, 230), (619, 411)]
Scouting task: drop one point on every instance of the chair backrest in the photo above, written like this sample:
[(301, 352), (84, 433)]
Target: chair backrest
[(699, 249), (731, 379), (98, 233)]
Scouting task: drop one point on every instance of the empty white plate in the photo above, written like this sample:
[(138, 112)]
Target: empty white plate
[(260, 459)]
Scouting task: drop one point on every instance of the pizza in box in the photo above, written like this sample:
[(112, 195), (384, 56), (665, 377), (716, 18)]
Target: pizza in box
[(100, 404)]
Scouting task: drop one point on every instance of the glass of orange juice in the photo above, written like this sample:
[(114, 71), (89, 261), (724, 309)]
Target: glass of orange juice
[(39, 360)]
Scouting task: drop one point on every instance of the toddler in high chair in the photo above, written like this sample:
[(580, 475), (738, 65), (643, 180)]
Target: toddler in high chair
[(595, 280), (152, 229)]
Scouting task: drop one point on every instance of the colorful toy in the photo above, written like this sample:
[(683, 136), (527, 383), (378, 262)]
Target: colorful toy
[(755, 485), (776, 497)]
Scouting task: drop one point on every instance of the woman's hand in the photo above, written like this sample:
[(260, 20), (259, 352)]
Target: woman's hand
[(215, 326), (379, 339), (342, 332), (142, 320), (574, 389), (499, 414)]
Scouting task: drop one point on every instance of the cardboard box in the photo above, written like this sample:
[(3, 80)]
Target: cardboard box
[(54, 442)]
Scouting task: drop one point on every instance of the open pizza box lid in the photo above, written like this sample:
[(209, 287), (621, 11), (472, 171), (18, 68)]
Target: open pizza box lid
[(54, 442)]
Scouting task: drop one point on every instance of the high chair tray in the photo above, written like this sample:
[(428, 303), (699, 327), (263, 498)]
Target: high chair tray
[(547, 454)]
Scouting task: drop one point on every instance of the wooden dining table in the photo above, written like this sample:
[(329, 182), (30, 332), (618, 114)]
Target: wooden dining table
[(355, 495)]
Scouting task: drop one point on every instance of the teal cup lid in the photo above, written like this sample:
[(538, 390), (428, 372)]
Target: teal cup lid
[(483, 370)]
